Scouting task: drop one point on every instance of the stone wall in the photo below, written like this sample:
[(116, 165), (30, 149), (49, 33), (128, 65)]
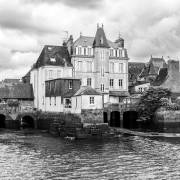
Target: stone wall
[(168, 121), (92, 116)]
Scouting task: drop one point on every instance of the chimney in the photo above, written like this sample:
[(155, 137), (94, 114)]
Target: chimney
[(173, 67)]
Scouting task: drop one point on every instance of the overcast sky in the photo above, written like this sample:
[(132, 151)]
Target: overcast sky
[(148, 27)]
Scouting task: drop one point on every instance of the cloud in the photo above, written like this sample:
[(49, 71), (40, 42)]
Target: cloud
[(148, 27), (72, 3)]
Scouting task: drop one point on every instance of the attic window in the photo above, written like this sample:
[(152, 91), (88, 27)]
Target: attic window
[(52, 59), (101, 40), (49, 48)]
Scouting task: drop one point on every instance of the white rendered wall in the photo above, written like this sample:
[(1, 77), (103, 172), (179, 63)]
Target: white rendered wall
[(38, 78)]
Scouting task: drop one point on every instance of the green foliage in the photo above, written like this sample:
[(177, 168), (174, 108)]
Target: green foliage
[(150, 101)]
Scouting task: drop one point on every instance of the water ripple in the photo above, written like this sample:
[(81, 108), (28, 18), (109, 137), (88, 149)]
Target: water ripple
[(40, 156)]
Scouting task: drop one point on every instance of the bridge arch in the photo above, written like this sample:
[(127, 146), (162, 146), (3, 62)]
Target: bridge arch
[(28, 121), (2, 121), (130, 119), (105, 117), (115, 119)]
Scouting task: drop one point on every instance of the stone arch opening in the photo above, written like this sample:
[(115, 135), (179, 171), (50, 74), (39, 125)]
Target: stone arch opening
[(115, 119), (2, 121), (130, 119), (105, 117), (27, 122)]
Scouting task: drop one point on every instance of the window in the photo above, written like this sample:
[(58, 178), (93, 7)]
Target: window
[(102, 55), (91, 100), (58, 73), (120, 82), (102, 87), (89, 66), (140, 89), (102, 71), (111, 82), (67, 103), (111, 67), (89, 51), (79, 65), (88, 81), (116, 53), (121, 67), (85, 51), (55, 101), (79, 50), (50, 74), (111, 52), (101, 40), (120, 53), (70, 84)]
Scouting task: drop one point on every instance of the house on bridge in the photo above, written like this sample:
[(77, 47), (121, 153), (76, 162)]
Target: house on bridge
[(15, 99)]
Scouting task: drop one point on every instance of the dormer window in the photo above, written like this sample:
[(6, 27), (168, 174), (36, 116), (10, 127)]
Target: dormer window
[(101, 40)]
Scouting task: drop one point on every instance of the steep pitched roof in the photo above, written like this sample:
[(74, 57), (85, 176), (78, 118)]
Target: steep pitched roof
[(85, 90), (54, 55), (163, 73), (100, 39), (86, 41), (134, 69), (17, 91)]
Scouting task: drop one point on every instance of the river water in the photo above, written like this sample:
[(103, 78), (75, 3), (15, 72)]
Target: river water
[(41, 156)]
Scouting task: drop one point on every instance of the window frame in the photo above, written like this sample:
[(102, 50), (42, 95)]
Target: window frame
[(91, 100)]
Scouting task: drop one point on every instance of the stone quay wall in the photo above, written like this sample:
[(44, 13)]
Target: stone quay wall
[(168, 121)]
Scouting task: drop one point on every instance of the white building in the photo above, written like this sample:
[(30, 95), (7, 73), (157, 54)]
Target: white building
[(101, 64), (53, 62), (86, 98)]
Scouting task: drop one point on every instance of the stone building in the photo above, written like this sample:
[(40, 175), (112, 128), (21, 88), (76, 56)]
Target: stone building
[(169, 77), (98, 62), (53, 62), (142, 75), (101, 64)]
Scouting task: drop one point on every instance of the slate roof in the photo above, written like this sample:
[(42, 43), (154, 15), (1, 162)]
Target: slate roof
[(17, 91), (134, 69), (53, 55), (85, 90), (100, 39), (11, 81), (88, 41), (163, 73)]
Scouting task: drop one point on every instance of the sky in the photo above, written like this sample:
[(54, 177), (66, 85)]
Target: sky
[(149, 27)]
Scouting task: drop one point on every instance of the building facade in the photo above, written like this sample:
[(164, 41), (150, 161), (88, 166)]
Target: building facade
[(97, 62), (53, 62), (101, 64)]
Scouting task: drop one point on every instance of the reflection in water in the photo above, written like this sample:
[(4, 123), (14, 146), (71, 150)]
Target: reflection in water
[(40, 156)]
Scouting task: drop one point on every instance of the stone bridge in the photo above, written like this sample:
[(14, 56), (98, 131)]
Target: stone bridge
[(122, 115), (9, 118)]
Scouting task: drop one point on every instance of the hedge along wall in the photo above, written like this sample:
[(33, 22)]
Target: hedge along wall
[(167, 116), (92, 116)]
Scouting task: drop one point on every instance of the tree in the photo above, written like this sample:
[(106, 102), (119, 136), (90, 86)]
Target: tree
[(150, 101)]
